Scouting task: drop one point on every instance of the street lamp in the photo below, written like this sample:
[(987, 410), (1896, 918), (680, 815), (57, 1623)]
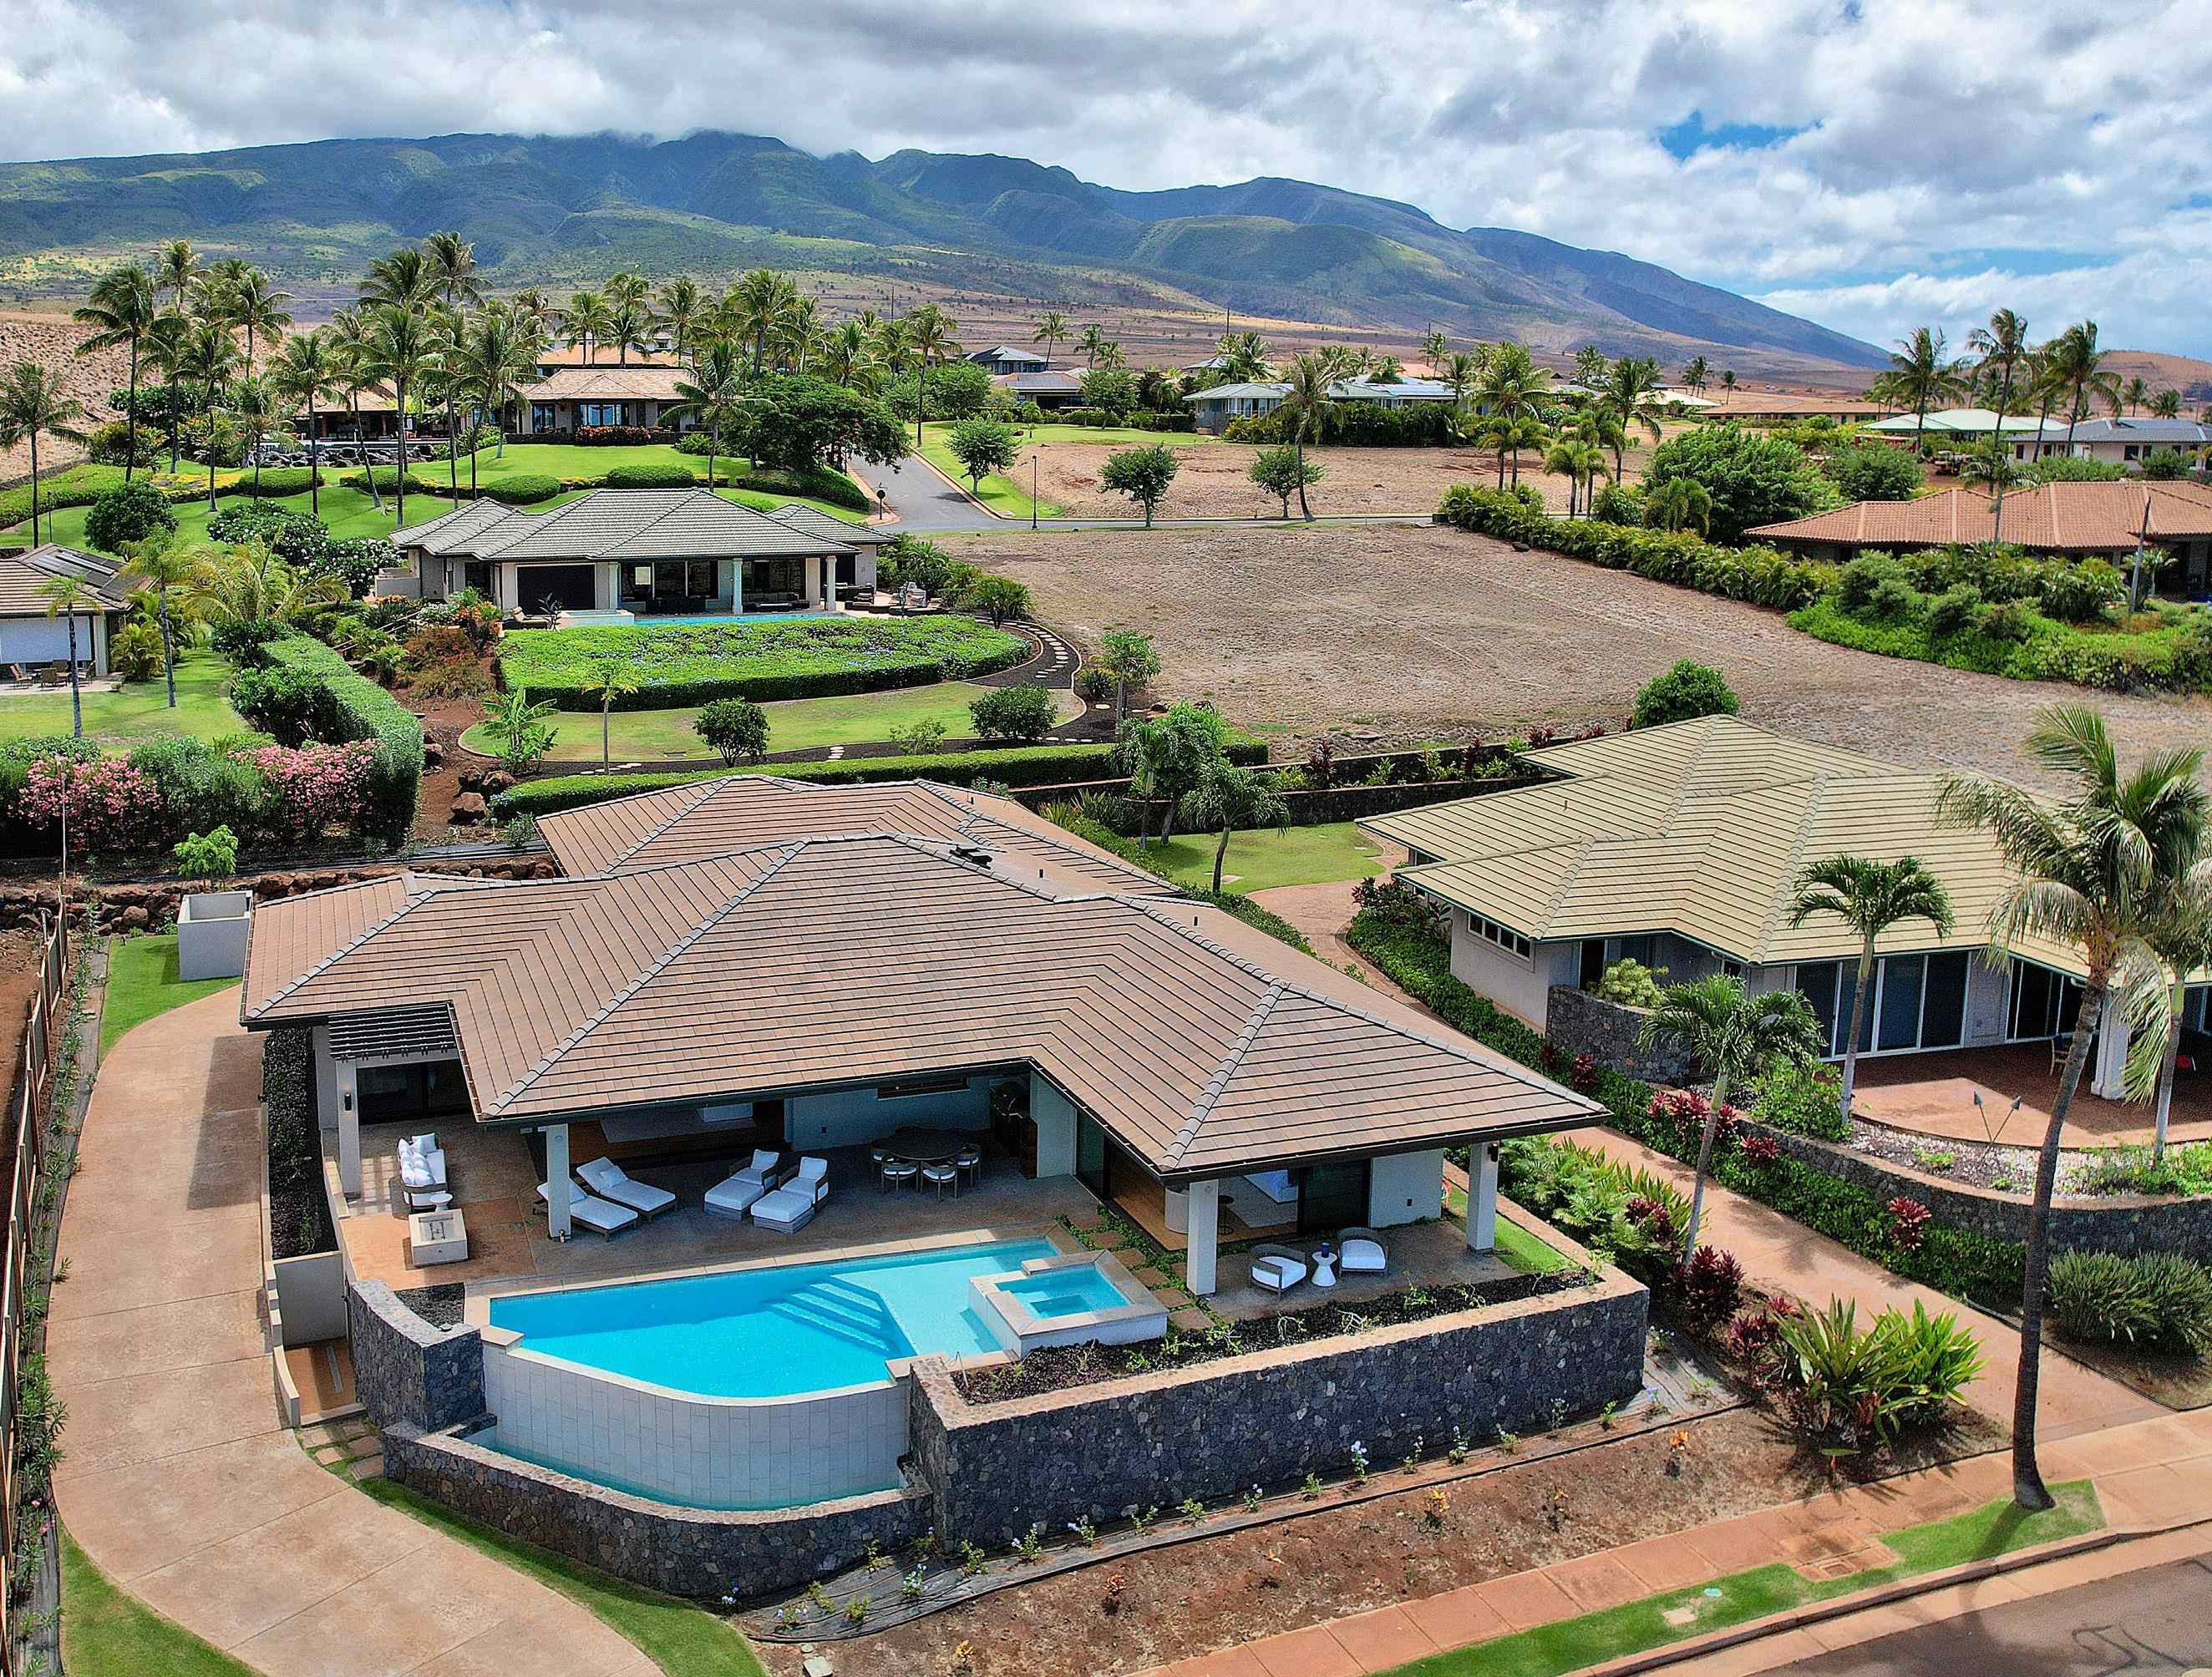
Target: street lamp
[(1033, 488)]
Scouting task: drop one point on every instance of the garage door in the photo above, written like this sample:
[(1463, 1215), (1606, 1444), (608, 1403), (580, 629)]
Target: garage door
[(571, 585)]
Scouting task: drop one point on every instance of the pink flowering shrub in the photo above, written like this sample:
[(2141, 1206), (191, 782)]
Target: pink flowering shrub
[(313, 787), (111, 805)]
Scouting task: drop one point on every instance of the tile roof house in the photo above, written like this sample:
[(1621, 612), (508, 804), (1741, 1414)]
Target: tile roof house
[(1213, 408), (29, 637), (2120, 442), (568, 398), (1678, 847), (1058, 388), (1005, 358), (808, 954), (642, 552)]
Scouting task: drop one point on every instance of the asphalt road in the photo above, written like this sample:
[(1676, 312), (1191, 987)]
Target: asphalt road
[(2157, 1619)]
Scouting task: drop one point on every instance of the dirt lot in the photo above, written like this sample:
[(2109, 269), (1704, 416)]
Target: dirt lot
[(1213, 483), (52, 341), (1422, 632)]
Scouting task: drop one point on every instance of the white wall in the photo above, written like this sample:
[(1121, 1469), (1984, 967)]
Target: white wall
[(854, 1117), (1055, 1126), (1521, 988), (1405, 1188)]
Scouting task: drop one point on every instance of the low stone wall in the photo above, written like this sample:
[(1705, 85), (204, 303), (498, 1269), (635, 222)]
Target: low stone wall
[(135, 907), (703, 1553), (2126, 1224), (406, 1371), (1271, 1417), (1578, 1023)]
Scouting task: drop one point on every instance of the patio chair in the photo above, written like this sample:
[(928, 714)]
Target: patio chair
[(898, 1172), (608, 1180), (1278, 1269), (422, 1171), (1361, 1252), (792, 1206), (733, 1196), (17, 673), (942, 1176), (601, 1217), (969, 1163)]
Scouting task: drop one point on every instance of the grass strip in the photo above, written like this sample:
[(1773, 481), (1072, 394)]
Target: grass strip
[(142, 984), (108, 1632)]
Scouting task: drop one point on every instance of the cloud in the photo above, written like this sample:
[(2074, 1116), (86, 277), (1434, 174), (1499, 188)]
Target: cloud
[(1870, 164)]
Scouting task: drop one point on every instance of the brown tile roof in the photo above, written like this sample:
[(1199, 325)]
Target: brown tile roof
[(22, 574), (825, 961), (572, 355), (606, 384), (2051, 518)]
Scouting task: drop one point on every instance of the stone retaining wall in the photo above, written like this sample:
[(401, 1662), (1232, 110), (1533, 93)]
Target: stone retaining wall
[(407, 1372), (1576, 1022), (2127, 1223), (134, 906)]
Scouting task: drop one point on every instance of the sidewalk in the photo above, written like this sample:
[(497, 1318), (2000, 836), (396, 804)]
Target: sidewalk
[(181, 1483), (2148, 1473)]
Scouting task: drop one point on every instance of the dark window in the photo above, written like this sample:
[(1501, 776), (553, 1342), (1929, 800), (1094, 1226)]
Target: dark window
[(1332, 1197), (1943, 1017), (1593, 964), (1638, 949), (1816, 982), (1900, 1000), (404, 1094), (905, 1087), (1092, 1153)]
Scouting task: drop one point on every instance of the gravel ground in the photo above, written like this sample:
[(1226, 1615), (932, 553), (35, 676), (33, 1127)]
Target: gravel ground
[(51, 340), (1425, 632)]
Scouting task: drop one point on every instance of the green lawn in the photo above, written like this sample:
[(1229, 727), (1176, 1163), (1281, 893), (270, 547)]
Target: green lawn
[(107, 1632), (1114, 434), (675, 1635), (143, 982), (1636, 1627), (1258, 861), (138, 712), (1004, 495), (795, 725)]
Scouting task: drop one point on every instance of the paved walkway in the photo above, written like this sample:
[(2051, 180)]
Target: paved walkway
[(181, 1481), (2147, 1475)]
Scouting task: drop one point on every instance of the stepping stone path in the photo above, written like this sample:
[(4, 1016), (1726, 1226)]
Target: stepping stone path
[(352, 1447)]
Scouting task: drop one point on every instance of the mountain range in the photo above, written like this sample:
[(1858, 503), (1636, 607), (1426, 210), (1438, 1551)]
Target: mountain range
[(557, 210)]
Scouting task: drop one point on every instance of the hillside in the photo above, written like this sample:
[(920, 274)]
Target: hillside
[(567, 210), (2192, 377)]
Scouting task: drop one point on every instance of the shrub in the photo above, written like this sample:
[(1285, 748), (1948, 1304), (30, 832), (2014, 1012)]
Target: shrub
[(111, 804), (2082, 592), (110, 444), (450, 678), (2160, 1299), (525, 489), (1685, 692), (1908, 1223), (208, 855), (2076, 469), (1858, 582), (1709, 1288), (1956, 609), (1001, 599), (137, 653), (669, 476), (1804, 1100), (1025, 714), (1752, 478), (612, 436), (1875, 471), (128, 513), (1616, 503), (2165, 464), (295, 705), (738, 728), (272, 481), (1848, 1388), (359, 709), (2133, 1170), (1093, 686), (1631, 983), (315, 787)]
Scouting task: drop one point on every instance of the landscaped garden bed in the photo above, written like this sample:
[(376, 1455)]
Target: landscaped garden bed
[(299, 1210)]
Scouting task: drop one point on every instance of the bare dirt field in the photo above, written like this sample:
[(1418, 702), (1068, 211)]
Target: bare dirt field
[(51, 340), (1422, 632)]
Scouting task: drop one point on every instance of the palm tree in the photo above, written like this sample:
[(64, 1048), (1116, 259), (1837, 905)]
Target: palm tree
[(175, 268), (1508, 434), (1243, 357), (1110, 355), (307, 370), (929, 335), (1228, 800), (65, 596), (161, 564), (1678, 502), (349, 331), (682, 306), (121, 310), (1734, 1036), (1092, 341), (713, 396), (2077, 369), (1581, 463), (1312, 379), (258, 403), (798, 331), (2134, 393), (1051, 329), (2001, 344), (2183, 941), (585, 318), (894, 344), (248, 584), (453, 263), (490, 362), (33, 404), (610, 678), (631, 324), (848, 358), (255, 306), (2093, 871), (1630, 393), (1728, 385), (1696, 371), (1459, 372), (756, 301), (1870, 898), (2166, 404), (400, 348), (1920, 372)]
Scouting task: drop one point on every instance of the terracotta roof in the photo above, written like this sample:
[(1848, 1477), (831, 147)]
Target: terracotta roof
[(619, 524), (2051, 518), (22, 574), (740, 812), (824, 962), (606, 384)]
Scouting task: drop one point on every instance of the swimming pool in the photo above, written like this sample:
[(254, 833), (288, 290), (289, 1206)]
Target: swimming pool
[(1065, 1292), (777, 1330)]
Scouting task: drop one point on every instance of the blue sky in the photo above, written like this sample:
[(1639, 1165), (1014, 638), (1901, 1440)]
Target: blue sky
[(1872, 164)]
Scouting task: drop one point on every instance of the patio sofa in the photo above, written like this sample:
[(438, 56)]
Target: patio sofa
[(792, 1206), (735, 1195)]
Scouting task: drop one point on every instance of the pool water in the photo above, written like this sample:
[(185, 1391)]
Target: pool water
[(775, 1331), (1067, 1292)]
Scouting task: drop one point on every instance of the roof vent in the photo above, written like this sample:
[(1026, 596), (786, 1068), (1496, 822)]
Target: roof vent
[(973, 854)]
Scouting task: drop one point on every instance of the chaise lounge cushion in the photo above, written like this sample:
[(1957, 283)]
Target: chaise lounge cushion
[(733, 1196), (610, 1181), (600, 1216), (786, 1210)]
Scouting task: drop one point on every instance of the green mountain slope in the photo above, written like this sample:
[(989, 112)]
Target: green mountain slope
[(568, 210)]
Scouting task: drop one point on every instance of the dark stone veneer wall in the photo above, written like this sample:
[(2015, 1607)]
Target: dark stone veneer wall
[(1576, 1022), (985, 1474)]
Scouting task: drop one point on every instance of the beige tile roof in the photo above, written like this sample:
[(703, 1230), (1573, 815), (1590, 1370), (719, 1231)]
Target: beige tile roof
[(22, 574), (826, 961), (606, 383), (1699, 828), (815, 522), (741, 812), (2051, 518), (620, 524)]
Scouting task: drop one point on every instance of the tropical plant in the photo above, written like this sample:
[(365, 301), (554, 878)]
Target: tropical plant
[(1142, 474), (489, 363), (251, 305), (2077, 371), (257, 404), (1580, 463), (2091, 870), (1921, 371), (1680, 501), (1871, 898), (1631, 394), (2181, 936), (1051, 329), (1166, 756), (586, 319), (2003, 345), (163, 568), (401, 348), (522, 731), (1683, 694), (65, 596), (32, 405), (737, 728), (121, 312), (1227, 799), (929, 338), (1128, 656), (713, 396)]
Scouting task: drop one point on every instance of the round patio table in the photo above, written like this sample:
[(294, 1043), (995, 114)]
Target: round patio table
[(929, 1146)]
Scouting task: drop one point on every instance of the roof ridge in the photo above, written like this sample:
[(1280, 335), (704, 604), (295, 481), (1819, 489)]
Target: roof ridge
[(705, 789), (508, 1095), (1217, 1085), (324, 965)]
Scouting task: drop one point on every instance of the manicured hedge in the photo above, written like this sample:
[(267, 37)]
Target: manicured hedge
[(678, 665), (275, 481), (1761, 576), (366, 711), (669, 477), (524, 490), (85, 484), (2170, 659)]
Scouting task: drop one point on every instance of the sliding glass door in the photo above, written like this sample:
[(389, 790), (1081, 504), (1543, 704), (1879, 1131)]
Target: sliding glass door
[(1918, 1002)]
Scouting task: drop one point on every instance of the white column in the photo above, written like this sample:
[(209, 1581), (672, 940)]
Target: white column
[(556, 1181), (2112, 1040), (326, 1079), (1482, 1197), (813, 580), (1204, 1216), (349, 1130)]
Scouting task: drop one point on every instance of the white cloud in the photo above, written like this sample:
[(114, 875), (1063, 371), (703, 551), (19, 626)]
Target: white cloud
[(1948, 154)]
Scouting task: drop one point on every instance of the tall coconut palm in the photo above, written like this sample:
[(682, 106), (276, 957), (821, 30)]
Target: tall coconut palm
[(206, 361), (1728, 385), (534, 309), (349, 331), (713, 396), (894, 348), (756, 299), (400, 347), (121, 312), (163, 566), (489, 364), (1631, 394), (65, 596), (1092, 341), (1921, 371), (1461, 372), (929, 335), (1311, 382), (1870, 898), (848, 359), (175, 267), (2182, 942), (1697, 372), (2093, 871), (2135, 393), (307, 370), (2077, 368), (32, 405), (165, 349), (681, 304), (586, 318), (452, 264), (258, 308), (1051, 329), (2003, 346), (2166, 404), (1110, 354), (1507, 434), (1734, 1036), (630, 325), (257, 403)]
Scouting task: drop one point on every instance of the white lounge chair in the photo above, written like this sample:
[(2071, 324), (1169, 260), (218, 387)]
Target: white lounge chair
[(1278, 1268), (610, 1181), (1361, 1252), (733, 1196), (601, 1217), (792, 1206)]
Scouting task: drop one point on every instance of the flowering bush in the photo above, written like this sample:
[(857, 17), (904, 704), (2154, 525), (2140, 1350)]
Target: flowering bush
[(312, 787), (1761, 1148), (1753, 1335), (1709, 1286), (1582, 1077), (1908, 1222), (110, 804), (1686, 1110)]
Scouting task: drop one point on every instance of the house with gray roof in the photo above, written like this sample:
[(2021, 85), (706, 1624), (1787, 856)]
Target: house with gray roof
[(2122, 443), (1005, 358), (638, 553), (29, 635)]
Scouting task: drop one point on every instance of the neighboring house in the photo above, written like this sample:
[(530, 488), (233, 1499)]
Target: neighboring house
[(1059, 388), (555, 356), (1213, 410), (1678, 847), (569, 398), (2079, 520), (2121, 442), (1003, 358), (29, 637), (642, 553), (814, 967), (370, 415), (1952, 429)]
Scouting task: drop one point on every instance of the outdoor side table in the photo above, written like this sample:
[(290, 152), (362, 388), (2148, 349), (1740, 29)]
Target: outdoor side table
[(438, 1238)]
